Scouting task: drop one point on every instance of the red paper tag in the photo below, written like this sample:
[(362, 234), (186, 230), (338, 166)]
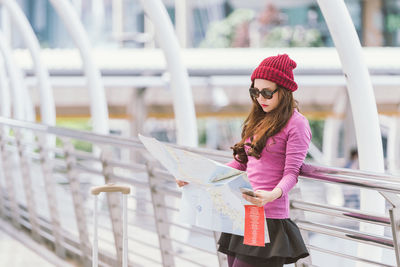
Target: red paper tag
[(254, 226)]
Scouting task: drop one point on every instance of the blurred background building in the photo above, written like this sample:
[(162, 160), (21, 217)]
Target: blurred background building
[(119, 31), (217, 23)]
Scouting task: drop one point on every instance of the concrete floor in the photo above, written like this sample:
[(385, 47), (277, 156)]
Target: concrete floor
[(15, 254)]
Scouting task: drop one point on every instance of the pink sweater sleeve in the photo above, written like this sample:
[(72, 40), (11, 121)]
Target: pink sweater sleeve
[(299, 137), (237, 165)]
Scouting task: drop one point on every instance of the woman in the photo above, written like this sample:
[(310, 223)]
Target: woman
[(275, 140)]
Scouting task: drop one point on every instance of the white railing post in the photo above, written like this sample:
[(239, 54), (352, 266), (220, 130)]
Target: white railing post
[(46, 162), (25, 169), (95, 247), (394, 213), (7, 160), (78, 202), (160, 217), (114, 206)]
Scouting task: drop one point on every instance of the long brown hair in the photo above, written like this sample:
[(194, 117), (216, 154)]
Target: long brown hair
[(259, 126)]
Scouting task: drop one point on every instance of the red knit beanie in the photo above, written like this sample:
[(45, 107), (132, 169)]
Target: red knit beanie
[(277, 69)]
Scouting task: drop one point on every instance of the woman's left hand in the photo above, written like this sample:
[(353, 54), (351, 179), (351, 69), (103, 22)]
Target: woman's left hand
[(263, 197)]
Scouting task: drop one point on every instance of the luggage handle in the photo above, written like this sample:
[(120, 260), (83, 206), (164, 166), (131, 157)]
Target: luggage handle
[(110, 188)]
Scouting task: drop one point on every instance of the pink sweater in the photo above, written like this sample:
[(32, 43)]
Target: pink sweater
[(280, 163)]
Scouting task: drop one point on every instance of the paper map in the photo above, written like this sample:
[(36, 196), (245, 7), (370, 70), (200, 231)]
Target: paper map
[(212, 199)]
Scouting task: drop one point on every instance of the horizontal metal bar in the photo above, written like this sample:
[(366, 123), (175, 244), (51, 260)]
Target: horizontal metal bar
[(99, 225), (59, 169), (130, 166), (75, 134), (131, 181), (10, 139), (32, 155), (59, 162), (346, 234), (188, 228), (28, 145), (167, 191), (337, 175), (361, 179), (82, 155), (205, 151), (145, 257), (331, 252), (175, 254), (11, 148), (151, 216), (86, 169), (188, 245), (143, 243), (161, 173), (347, 213), (71, 248), (58, 150), (167, 207), (106, 241)]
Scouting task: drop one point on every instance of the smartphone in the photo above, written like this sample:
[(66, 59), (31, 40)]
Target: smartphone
[(247, 191)]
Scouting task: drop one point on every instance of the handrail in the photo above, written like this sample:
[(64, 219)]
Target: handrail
[(341, 212), (349, 234), (316, 172), (361, 179), (73, 163)]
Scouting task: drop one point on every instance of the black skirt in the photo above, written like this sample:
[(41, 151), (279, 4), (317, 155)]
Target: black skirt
[(286, 244)]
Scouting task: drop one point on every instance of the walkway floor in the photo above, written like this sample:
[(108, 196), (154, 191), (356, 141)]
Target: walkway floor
[(15, 254)]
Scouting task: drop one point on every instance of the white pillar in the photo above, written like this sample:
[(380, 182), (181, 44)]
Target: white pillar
[(316, 154), (97, 19), (149, 30), (118, 19), (5, 100), (98, 102), (363, 105), (47, 107), (332, 129), (6, 23), (212, 133), (395, 134), (185, 116), (393, 143), (182, 21), (16, 80), (77, 4), (334, 193)]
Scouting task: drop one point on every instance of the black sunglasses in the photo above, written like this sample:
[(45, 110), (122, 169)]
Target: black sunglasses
[(254, 92)]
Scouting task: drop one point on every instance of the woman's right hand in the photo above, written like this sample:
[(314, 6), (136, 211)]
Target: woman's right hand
[(180, 183)]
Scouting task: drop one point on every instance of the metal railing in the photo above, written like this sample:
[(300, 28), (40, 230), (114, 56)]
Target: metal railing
[(46, 173)]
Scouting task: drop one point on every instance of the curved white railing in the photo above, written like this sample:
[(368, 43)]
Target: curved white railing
[(22, 102), (98, 100), (47, 106), (185, 117)]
